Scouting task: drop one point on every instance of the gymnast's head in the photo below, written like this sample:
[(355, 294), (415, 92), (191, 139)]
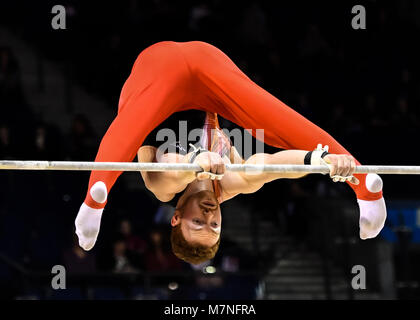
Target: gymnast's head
[(196, 226)]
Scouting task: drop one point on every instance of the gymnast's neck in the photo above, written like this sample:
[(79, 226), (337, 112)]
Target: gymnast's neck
[(199, 185)]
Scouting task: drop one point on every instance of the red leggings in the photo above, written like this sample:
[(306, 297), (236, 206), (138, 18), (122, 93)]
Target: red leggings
[(168, 77)]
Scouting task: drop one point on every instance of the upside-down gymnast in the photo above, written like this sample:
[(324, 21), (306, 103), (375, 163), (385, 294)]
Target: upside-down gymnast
[(170, 77)]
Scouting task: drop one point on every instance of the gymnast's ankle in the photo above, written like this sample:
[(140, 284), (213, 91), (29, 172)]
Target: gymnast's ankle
[(369, 188)]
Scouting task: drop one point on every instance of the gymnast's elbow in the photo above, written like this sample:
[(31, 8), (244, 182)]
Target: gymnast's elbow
[(158, 191), (163, 188), (150, 185)]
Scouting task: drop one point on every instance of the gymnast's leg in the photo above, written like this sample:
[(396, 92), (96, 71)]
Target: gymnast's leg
[(155, 89), (245, 103)]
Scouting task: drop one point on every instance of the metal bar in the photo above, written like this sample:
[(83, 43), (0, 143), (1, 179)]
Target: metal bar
[(158, 166)]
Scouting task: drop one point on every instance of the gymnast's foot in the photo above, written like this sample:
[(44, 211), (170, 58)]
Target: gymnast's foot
[(88, 220), (373, 212)]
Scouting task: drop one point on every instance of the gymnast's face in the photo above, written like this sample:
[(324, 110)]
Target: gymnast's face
[(200, 218)]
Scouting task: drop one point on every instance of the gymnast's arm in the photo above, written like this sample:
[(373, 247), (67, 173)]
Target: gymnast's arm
[(164, 185), (249, 182)]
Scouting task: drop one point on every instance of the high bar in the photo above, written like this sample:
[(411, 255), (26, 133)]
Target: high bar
[(158, 166)]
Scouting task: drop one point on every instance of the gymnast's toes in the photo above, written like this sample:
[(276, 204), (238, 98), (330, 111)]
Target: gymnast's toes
[(87, 223), (87, 243), (87, 235)]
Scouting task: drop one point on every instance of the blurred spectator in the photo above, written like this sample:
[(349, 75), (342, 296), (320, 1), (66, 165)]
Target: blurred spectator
[(253, 28), (164, 214), (6, 149), (209, 281), (83, 142), (135, 246), (199, 13), (159, 256), (10, 83), (374, 118), (78, 261), (46, 142), (233, 258), (122, 262), (403, 118), (313, 43), (132, 241)]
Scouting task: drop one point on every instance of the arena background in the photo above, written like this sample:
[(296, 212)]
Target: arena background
[(294, 239)]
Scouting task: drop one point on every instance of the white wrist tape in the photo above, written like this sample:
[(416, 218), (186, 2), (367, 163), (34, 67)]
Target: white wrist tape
[(212, 176), (316, 159)]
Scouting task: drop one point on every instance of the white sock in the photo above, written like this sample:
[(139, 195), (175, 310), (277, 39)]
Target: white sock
[(372, 213), (88, 220)]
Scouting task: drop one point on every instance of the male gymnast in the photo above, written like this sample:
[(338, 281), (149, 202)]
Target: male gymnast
[(170, 77)]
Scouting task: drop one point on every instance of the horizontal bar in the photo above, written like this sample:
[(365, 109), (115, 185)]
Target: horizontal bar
[(158, 166)]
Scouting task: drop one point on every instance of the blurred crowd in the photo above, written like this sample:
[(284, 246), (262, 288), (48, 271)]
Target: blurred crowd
[(362, 86)]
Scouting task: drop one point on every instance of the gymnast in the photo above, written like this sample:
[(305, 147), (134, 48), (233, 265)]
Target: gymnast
[(170, 77)]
